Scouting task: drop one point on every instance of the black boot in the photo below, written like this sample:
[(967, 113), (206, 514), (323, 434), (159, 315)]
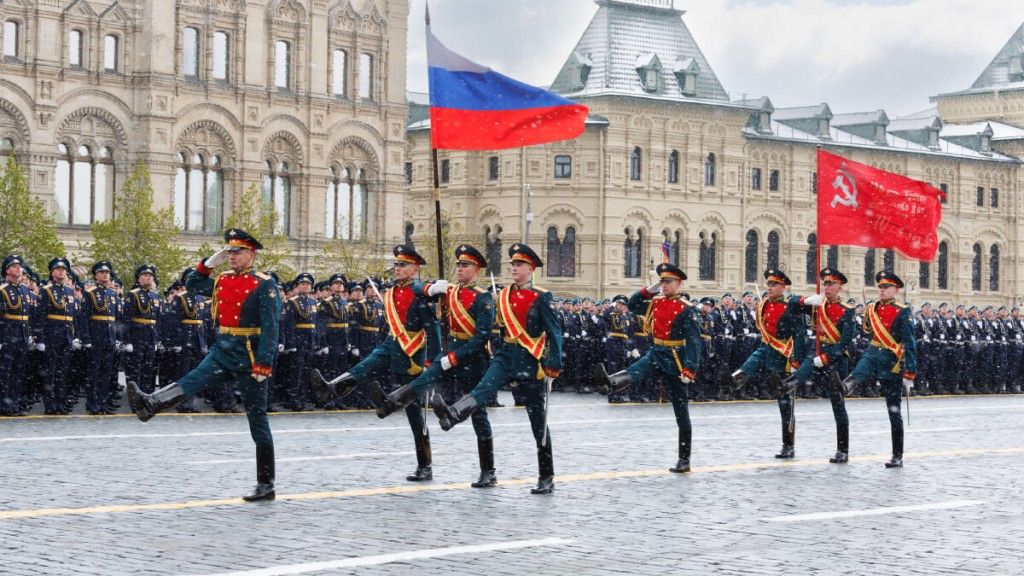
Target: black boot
[(735, 383), (615, 384), (393, 402), (683, 465), (452, 415), (788, 443), (848, 386), (264, 475), (146, 406), (789, 385), (485, 448), (546, 466), (423, 471), (842, 444), (325, 392), (897, 450)]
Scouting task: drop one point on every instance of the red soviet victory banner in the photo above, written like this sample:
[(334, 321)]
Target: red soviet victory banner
[(863, 206)]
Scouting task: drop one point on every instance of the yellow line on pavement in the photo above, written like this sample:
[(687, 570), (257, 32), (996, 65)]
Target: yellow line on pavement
[(414, 488)]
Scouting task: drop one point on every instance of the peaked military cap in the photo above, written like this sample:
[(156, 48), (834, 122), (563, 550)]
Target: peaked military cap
[(685, 296), (832, 275), (975, 308), (59, 262), (1001, 309), (776, 275), (960, 307), (145, 269), (520, 252), (852, 301), (727, 295), (338, 278), (943, 305), (621, 298), (304, 277), (745, 294), (103, 266), (185, 274), (467, 253), (11, 261), (666, 270), (30, 273), (353, 286), (987, 308), (277, 279), (886, 277), (708, 300), (237, 239), (406, 253)]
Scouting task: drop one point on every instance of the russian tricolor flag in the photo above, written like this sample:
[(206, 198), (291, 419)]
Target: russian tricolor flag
[(474, 108)]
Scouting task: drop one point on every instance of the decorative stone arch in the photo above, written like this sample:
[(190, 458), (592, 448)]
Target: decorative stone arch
[(373, 22), (355, 152), (208, 138), (123, 111), (343, 15), (370, 133), (638, 215), (283, 146), (289, 121), (490, 215), (96, 124), (287, 11), (203, 111), (14, 123)]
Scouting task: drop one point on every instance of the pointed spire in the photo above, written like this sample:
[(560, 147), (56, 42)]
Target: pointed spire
[(426, 6)]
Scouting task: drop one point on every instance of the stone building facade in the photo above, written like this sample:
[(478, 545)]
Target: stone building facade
[(303, 97), (669, 162)]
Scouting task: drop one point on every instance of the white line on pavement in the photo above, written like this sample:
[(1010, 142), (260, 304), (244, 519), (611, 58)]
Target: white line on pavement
[(397, 557), (308, 458), (874, 511)]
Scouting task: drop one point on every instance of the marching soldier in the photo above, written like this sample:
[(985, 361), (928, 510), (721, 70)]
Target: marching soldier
[(531, 326), (835, 328), (675, 327), (142, 310), (413, 339), (781, 334), (16, 336), (246, 307), (101, 310), (892, 354), (469, 312)]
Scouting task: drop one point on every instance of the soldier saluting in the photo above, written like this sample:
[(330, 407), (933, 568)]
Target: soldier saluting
[(892, 354), (531, 327), (675, 327), (246, 308)]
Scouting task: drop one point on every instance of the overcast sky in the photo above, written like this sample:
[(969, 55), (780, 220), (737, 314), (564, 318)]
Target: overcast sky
[(855, 55)]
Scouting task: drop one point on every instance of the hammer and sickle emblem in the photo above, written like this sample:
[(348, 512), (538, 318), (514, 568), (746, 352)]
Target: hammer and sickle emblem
[(849, 197)]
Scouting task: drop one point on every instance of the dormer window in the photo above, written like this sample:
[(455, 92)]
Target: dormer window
[(986, 144), (1016, 72), (823, 128), (579, 70), (933, 139), (880, 137), (648, 67), (686, 72), (764, 124)]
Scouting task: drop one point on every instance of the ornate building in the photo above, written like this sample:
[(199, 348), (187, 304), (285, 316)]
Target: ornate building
[(303, 97), (728, 187)]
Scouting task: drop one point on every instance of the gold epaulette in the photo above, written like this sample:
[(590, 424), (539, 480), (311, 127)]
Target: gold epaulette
[(262, 275), (88, 287), (135, 290), (539, 289), (480, 289)]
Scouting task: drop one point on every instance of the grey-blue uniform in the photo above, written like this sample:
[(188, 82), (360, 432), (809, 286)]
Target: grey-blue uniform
[(334, 317), (142, 313), (15, 309), (57, 310), (618, 344), (101, 311), (891, 355), (299, 333)]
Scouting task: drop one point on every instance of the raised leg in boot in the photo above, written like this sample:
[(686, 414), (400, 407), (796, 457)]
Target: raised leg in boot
[(146, 406), (325, 392), (615, 384), (387, 404), (451, 415)]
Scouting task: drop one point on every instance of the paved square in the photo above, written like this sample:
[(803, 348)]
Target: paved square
[(90, 495)]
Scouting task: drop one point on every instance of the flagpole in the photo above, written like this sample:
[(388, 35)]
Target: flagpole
[(817, 261)]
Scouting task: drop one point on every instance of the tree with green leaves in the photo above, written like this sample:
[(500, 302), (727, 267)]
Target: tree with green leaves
[(258, 217), (138, 234), (27, 228)]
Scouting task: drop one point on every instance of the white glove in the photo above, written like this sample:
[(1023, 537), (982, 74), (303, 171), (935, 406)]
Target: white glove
[(259, 378), (814, 300), (325, 351), (355, 352), (87, 346), (908, 385), (634, 353), (686, 380), (819, 362), (594, 318), (176, 349), (565, 334), (290, 350), (280, 347), (446, 364), (156, 348), (76, 344), (439, 287), (583, 333), (41, 347), (219, 257), (128, 348), (654, 288)]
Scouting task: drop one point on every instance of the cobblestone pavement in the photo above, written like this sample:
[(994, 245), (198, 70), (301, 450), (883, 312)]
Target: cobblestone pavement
[(95, 495)]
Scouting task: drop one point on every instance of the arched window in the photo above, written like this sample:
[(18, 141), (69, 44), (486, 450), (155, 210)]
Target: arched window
[(773, 181), (282, 64), (750, 257), (709, 170), (366, 76), (673, 167), (339, 72), (11, 33), (84, 184), (220, 56), (190, 52), (277, 191), (6, 152), (75, 48), (346, 203), (993, 268), (554, 246), (976, 269), (706, 261), (674, 240), (563, 166), (199, 193), (632, 252), (773, 250), (942, 276), (568, 253), (812, 258), (634, 164), (408, 232), (889, 260), (111, 59), (492, 248), (869, 267), (924, 276), (833, 257)]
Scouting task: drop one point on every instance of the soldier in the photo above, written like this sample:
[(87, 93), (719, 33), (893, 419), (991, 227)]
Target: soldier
[(301, 341), (142, 309), (835, 329), (188, 345), (57, 308), (469, 313), (926, 329), (364, 329), (892, 354), (16, 333), (748, 341), (334, 314), (101, 310), (781, 333), (1016, 327), (618, 346), (710, 335), (531, 326), (413, 339), (246, 306), (676, 353)]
